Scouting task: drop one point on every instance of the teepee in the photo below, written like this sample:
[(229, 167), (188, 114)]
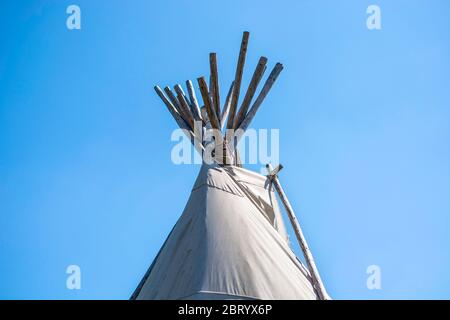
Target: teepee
[(230, 241)]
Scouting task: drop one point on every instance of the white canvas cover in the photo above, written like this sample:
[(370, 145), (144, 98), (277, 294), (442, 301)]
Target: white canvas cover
[(229, 243)]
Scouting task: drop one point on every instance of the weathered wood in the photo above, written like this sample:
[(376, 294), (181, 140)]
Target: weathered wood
[(264, 91), (179, 90), (316, 280), (173, 111), (207, 101), (214, 86), (205, 117), (210, 91), (226, 107), (194, 103), (184, 105), (211, 94), (173, 100), (237, 80), (180, 121), (256, 78)]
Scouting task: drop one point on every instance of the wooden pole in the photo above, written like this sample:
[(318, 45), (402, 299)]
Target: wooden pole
[(226, 107), (317, 281), (179, 120), (184, 105), (264, 91), (173, 111), (214, 87), (194, 103), (205, 117), (210, 92), (173, 99), (256, 78), (179, 91), (237, 80), (207, 101), (178, 107)]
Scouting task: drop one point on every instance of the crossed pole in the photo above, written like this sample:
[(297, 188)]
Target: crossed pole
[(316, 280)]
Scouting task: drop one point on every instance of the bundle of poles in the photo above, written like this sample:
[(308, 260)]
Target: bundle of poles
[(194, 120)]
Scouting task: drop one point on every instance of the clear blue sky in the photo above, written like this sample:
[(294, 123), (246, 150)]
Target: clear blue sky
[(85, 170)]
